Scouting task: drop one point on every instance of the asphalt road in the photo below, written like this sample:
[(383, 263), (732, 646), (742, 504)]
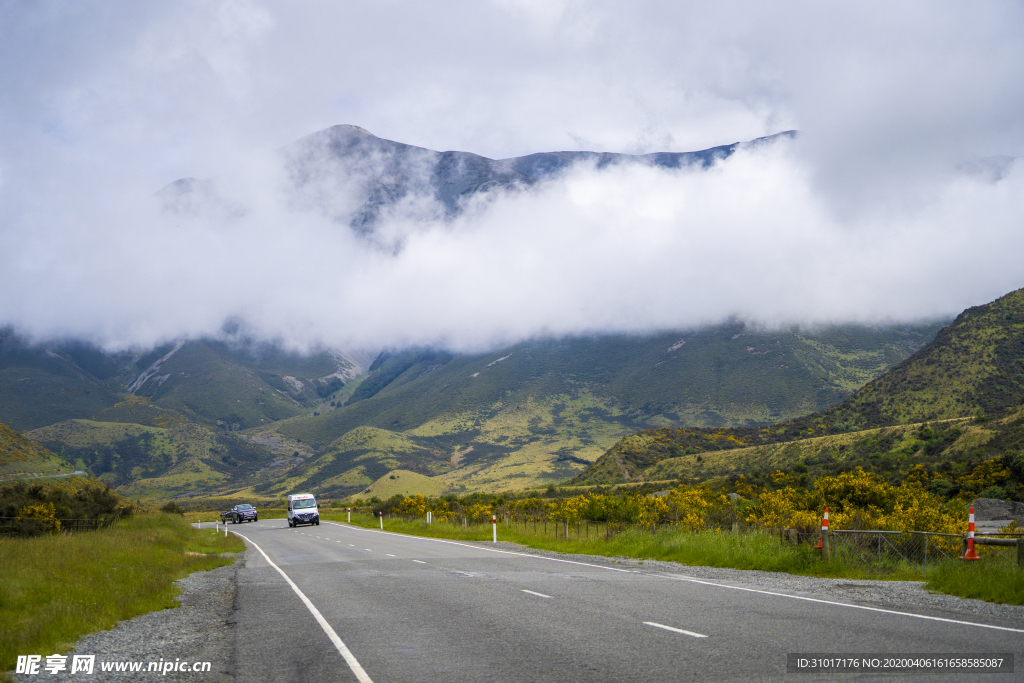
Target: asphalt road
[(399, 608)]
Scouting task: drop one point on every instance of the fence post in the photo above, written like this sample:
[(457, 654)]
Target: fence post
[(735, 527)]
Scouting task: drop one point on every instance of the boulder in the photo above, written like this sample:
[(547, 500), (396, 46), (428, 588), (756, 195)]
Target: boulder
[(989, 509)]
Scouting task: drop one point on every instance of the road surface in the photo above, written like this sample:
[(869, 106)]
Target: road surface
[(350, 604)]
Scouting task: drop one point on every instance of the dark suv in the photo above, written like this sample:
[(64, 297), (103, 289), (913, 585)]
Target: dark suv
[(239, 514)]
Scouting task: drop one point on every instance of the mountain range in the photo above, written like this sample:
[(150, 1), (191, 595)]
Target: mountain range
[(355, 177), (205, 415), (233, 415), (957, 402)]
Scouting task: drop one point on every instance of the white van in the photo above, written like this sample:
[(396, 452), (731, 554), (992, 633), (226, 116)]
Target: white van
[(302, 510)]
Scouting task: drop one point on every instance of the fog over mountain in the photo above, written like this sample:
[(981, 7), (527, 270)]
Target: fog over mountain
[(161, 173)]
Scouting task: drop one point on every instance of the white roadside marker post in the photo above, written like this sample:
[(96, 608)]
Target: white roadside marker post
[(349, 511), (382, 521), (494, 526)]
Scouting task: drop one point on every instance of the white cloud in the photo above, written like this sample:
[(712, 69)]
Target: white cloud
[(864, 218)]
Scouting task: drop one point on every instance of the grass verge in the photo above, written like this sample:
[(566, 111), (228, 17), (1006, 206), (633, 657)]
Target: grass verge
[(56, 589), (988, 581)]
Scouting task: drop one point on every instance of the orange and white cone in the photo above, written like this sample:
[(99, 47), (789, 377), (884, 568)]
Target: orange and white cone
[(824, 530), (970, 554)]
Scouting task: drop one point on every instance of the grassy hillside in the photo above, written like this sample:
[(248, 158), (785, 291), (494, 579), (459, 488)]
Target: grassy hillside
[(539, 412), (140, 410), (956, 456), (22, 457), (725, 375), (205, 381), (210, 383), (39, 386), (973, 367), (405, 483), (207, 417), (142, 461)]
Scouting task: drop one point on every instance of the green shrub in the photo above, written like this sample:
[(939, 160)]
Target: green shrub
[(996, 492), (173, 508)]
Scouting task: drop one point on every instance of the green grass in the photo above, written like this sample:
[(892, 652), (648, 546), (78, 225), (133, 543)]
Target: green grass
[(988, 581), (56, 589)]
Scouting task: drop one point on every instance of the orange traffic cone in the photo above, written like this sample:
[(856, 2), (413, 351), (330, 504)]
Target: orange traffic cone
[(970, 554), (824, 530)]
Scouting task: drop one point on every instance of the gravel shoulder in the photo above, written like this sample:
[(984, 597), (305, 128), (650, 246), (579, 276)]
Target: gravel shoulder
[(200, 630)]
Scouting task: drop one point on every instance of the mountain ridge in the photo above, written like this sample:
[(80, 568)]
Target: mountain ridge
[(973, 367)]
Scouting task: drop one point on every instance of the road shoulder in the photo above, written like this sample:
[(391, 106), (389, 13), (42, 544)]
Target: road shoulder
[(200, 630)]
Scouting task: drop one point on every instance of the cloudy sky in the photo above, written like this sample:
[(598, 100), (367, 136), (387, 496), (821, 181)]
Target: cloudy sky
[(895, 203)]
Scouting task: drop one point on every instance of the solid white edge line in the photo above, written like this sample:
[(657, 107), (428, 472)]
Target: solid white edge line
[(673, 628), (846, 604), (343, 650), (477, 547), (539, 595), (683, 578)]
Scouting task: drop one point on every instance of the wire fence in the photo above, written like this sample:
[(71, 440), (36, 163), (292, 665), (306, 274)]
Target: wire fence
[(36, 526), (560, 528), (894, 551), (879, 551)]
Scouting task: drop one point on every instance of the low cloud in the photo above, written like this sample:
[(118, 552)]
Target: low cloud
[(629, 248), (890, 206)]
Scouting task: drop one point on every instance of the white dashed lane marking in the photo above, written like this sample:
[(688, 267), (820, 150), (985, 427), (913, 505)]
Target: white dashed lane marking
[(539, 595), (419, 561), (675, 630)]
